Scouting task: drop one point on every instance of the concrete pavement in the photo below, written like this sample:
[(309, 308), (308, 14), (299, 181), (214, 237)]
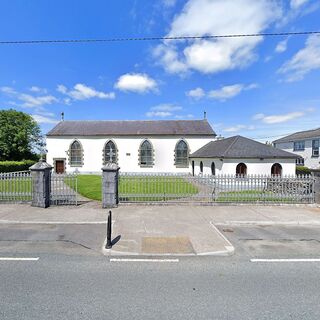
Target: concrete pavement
[(164, 230)]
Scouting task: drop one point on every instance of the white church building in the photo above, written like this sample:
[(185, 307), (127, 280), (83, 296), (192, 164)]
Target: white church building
[(136, 146), (176, 146)]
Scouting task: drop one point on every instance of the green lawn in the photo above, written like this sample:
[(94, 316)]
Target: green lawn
[(11, 189), (89, 186), (144, 188), (154, 189), (250, 196)]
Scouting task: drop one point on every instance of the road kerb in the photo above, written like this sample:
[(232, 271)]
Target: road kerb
[(268, 223)]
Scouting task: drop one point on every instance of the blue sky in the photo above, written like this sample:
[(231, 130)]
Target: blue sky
[(258, 87)]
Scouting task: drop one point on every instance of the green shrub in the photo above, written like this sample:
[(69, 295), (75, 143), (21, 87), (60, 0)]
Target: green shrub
[(13, 166), (302, 170)]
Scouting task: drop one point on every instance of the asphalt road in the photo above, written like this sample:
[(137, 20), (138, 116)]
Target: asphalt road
[(73, 281)]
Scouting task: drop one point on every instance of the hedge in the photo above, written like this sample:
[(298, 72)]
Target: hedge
[(302, 170), (13, 166)]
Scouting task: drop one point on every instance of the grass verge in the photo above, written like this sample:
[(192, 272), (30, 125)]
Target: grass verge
[(135, 187)]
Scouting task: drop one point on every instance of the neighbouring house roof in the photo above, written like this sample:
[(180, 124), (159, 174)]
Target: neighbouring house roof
[(239, 147), (301, 135), (133, 128)]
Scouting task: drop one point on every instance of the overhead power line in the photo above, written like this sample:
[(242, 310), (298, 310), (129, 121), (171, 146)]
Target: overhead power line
[(54, 41)]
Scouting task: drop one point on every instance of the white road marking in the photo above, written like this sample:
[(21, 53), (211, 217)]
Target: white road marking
[(51, 222), (285, 260), (18, 259), (143, 260)]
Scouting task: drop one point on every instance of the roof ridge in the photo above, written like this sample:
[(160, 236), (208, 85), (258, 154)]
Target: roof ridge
[(143, 120), (236, 138)]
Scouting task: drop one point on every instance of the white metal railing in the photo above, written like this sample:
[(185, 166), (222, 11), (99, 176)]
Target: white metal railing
[(64, 189), (169, 187), (16, 186)]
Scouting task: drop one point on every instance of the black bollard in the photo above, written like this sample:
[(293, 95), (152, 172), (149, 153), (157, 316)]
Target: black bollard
[(109, 243)]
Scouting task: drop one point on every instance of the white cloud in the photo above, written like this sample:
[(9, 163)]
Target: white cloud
[(35, 101), (7, 90), (136, 82), (38, 89), (231, 91), (83, 92), (207, 17), (163, 110), (197, 93), (295, 4), (281, 46), (169, 3), (226, 92), (166, 107), (28, 100), (304, 61), (279, 118), (258, 116), (239, 127), (184, 116), (44, 119), (62, 89), (160, 114)]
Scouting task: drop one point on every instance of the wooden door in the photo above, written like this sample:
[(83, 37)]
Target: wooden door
[(59, 166)]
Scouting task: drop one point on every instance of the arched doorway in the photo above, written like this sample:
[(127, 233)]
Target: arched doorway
[(276, 169), (241, 170), (201, 167), (192, 167), (213, 169)]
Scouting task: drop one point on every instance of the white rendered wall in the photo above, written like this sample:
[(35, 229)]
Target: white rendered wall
[(93, 152), (254, 166), (309, 161)]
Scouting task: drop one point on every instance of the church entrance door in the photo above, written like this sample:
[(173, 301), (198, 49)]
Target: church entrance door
[(59, 166)]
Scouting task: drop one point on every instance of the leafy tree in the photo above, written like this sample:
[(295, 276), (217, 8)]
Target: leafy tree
[(20, 136)]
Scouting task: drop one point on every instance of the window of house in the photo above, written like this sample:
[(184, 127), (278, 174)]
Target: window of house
[(315, 148), (213, 169), (146, 154), (76, 154), (110, 152), (182, 154), (201, 166), (298, 146), (300, 161), (241, 170)]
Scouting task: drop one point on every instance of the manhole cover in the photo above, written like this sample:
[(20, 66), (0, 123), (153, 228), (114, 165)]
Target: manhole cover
[(163, 245)]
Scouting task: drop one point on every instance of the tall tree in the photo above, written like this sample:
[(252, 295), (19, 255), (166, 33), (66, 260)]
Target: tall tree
[(20, 136)]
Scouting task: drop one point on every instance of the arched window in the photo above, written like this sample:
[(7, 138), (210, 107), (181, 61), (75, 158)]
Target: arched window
[(201, 167), (76, 154), (276, 169), (241, 170), (110, 152), (213, 169), (182, 154), (192, 167), (146, 154)]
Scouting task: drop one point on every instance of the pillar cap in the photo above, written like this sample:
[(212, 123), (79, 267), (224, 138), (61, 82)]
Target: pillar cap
[(110, 167), (41, 165)]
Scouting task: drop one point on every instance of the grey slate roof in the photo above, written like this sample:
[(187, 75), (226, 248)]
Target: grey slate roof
[(128, 128), (300, 136), (240, 147)]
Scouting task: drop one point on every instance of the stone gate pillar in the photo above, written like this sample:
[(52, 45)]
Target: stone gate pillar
[(316, 175), (110, 185), (41, 182)]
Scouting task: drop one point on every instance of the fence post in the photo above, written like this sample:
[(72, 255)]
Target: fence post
[(316, 176), (110, 185), (41, 182)]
